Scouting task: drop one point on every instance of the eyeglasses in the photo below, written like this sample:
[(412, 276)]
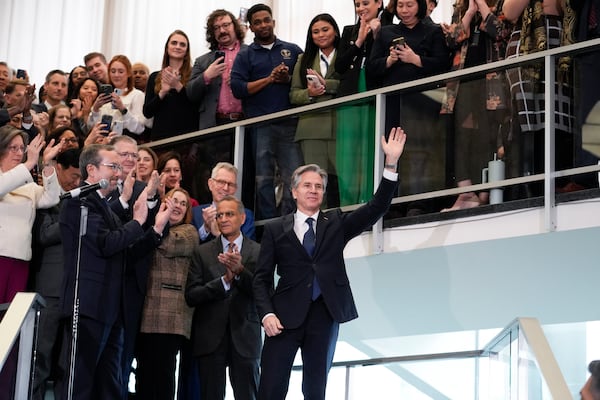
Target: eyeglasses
[(181, 203), (133, 156), (221, 183), (114, 166), (224, 25), (71, 140), (228, 214), (15, 149)]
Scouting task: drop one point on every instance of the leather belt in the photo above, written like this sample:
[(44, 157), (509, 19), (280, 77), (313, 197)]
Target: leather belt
[(230, 116)]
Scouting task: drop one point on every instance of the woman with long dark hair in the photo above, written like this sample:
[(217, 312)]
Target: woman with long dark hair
[(316, 131), (166, 97)]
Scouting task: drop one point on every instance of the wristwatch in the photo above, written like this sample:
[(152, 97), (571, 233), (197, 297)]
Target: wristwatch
[(123, 111)]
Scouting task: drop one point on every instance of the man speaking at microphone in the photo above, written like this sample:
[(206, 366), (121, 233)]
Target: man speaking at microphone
[(93, 282)]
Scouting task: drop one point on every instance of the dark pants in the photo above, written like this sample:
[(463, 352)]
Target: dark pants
[(316, 338), (156, 365), (97, 369), (243, 372), (275, 149)]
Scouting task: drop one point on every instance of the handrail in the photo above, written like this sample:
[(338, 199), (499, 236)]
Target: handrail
[(368, 362), (20, 321)]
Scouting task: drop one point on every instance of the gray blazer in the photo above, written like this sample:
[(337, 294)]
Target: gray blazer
[(207, 96)]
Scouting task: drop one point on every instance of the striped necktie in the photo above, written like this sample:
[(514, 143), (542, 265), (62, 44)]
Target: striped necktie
[(323, 73)]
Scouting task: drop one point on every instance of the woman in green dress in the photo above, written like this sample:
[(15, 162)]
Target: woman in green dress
[(355, 147)]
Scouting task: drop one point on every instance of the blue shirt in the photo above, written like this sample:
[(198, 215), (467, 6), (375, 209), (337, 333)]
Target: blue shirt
[(256, 62)]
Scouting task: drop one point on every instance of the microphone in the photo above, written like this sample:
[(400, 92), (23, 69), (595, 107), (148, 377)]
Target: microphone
[(84, 190)]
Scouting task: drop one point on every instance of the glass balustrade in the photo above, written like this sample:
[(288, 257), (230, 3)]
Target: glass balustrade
[(482, 153)]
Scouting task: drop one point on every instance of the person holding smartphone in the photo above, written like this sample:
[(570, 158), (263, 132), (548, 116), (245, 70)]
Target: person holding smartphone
[(124, 103), (210, 82), (314, 80), (405, 52)]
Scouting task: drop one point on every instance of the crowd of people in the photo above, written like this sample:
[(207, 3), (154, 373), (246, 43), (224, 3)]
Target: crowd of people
[(156, 273)]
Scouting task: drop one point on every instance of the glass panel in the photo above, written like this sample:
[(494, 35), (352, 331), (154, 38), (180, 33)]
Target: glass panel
[(196, 158), (508, 368)]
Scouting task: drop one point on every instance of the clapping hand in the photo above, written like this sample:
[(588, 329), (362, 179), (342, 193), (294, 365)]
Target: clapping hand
[(163, 215)]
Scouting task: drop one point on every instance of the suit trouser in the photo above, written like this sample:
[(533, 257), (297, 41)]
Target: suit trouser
[(97, 372), (316, 338), (243, 372), (157, 362)]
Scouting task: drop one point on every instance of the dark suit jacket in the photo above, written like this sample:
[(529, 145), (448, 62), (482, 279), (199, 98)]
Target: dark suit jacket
[(215, 308), (247, 227), (138, 265), (103, 251), (206, 95), (48, 246), (281, 249), (349, 60)]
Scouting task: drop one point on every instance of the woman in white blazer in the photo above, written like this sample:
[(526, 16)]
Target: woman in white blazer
[(20, 196)]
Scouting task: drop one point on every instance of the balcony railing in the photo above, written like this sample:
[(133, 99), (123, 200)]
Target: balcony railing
[(432, 85)]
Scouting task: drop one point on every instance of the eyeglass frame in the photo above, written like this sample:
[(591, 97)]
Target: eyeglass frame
[(223, 183), (114, 166), (15, 148), (224, 25), (133, 156)]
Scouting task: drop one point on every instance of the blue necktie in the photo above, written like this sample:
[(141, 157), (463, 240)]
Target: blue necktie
[(310, 242)]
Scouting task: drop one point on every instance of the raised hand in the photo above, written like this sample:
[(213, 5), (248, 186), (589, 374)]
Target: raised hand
[(163, 215), (128, 183), (393, 146), (33, 151)]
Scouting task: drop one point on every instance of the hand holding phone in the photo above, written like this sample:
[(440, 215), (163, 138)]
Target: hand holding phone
[(106, 89), (106, 123), (399, 42), (21, 74), (314, 81), (219, 54)]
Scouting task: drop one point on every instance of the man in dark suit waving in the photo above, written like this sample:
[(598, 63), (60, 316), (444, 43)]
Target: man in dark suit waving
[(226, 328), (313, 293)]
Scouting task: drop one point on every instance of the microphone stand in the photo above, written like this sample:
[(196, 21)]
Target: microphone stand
[(82, 231)]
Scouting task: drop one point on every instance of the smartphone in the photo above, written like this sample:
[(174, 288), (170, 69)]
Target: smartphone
[(106, 88), (313, 80), (117, 127), (243, 17), (220, 53), (399, 42), (107, 122), (118, 92), (21, 74)]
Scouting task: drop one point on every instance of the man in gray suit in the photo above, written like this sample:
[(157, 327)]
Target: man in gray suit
[(209, 84), (226, 329)]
